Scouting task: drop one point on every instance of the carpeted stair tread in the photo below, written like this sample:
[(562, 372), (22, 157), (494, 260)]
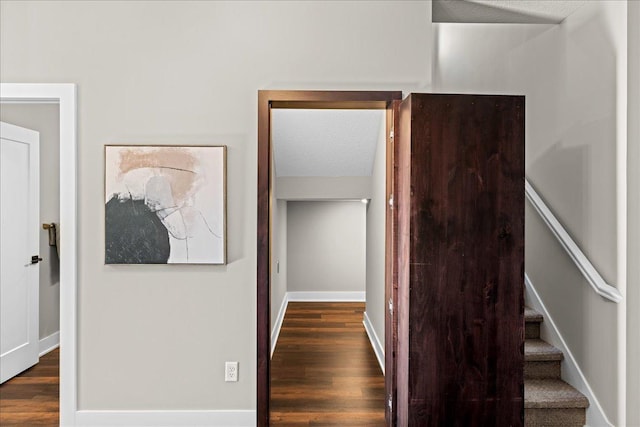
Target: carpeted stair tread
[(530, 315), (540, 351), (548, 400), (552, 393)]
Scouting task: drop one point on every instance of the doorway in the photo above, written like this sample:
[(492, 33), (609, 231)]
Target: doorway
[(30, 269), (327, 266), (64, 95), (306, 100)]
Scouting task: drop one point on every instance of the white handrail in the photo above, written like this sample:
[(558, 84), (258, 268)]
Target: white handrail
[(590, 273)]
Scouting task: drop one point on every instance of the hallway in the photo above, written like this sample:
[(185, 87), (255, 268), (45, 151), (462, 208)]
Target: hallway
[(324, 371)]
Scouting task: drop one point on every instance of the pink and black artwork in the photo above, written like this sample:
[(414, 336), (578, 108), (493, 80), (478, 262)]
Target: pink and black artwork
[(165, 204)]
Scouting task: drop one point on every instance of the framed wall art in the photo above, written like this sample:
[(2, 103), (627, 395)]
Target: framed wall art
[(165, 204)]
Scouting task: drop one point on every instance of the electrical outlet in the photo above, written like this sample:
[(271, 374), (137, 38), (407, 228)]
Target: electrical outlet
[(231, 371)]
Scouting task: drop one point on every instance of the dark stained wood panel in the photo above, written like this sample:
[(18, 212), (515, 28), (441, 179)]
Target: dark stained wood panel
[(466, 261), (324, 371)]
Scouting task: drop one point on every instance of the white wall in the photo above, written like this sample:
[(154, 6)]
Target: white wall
[(326, 246), (633, 240), (376, 211), (156, 337), (278, 257), (572, 77), (45, 119)]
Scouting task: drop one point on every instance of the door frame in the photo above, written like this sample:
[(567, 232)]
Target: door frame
[(63, 94), (268, 99)]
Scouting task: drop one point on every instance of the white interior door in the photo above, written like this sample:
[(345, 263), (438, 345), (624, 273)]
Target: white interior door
[(19, 242)]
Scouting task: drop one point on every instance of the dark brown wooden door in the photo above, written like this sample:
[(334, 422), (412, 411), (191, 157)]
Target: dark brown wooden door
[(460, 210)]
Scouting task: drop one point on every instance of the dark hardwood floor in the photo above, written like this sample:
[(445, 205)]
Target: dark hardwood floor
[(32, 398), (324, 371)]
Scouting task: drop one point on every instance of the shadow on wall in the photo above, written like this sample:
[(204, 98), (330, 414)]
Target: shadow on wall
[(54, 265), (576, 173)]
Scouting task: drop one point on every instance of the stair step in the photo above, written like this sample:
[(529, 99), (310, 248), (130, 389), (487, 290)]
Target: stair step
[(530, 315), (552, 393), (552, 402), (560, 417), (532, 323), (542, 360), (536, 350), (548, 400)]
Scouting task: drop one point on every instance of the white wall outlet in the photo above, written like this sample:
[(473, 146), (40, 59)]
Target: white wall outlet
[(231, 371)]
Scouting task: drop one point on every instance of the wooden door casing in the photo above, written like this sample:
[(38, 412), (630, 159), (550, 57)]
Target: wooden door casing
[(268, 99), (391, 267)]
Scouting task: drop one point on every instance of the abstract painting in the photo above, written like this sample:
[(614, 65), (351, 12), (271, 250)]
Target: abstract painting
[(165, 204)]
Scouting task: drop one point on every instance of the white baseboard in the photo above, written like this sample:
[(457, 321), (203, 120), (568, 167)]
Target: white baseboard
[(275, 332), (326, 296), (242, 418), (571, 372), (49, 343), (378, 349)]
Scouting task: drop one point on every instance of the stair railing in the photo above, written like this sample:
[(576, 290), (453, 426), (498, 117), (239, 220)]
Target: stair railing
[(585, 266)]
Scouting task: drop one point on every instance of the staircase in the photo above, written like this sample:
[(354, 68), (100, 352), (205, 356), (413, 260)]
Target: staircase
[(548, 401)]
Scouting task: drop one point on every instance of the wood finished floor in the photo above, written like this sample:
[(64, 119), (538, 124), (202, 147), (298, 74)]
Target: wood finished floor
[(324, 371), (32, 398)]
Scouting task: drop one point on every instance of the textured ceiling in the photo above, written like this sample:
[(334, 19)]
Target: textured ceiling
[(325, 142), (504, 11)]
